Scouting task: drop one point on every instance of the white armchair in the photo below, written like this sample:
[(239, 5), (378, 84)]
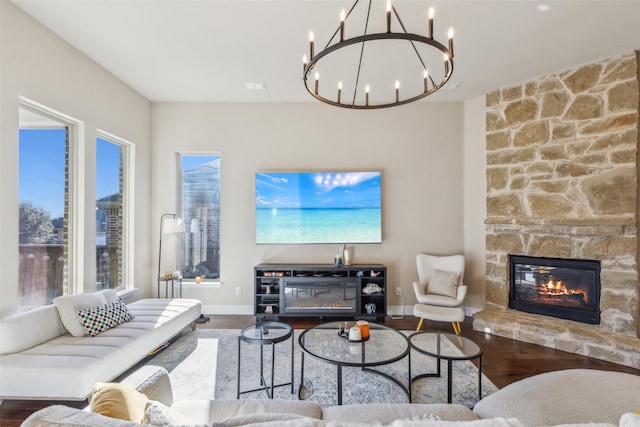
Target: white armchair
[(440, 285)]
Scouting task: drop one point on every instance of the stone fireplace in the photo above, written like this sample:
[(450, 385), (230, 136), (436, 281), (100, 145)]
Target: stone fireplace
[(562, 288), (562, 183)]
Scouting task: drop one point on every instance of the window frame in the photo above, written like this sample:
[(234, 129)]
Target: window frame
[(75, 244), (128, 207), (217, 282)]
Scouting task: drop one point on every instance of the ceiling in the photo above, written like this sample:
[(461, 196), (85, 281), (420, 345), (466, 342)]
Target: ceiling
[(206, 50)]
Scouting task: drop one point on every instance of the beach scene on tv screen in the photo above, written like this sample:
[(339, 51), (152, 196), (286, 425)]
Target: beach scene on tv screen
[(318, 207)]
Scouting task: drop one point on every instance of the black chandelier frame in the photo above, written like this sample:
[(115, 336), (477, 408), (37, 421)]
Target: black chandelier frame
[(312, 86)]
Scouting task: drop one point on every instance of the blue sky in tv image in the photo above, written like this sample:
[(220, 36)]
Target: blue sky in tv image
[(318, 207), (318, 190)]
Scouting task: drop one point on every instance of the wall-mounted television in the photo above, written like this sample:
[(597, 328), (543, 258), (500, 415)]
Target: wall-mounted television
[(318, 207)]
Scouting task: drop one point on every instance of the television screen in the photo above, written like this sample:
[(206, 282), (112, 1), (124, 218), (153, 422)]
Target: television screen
[(318, 207)]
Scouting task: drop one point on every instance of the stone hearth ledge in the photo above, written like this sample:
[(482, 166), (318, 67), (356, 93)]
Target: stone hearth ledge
[(565, 335)]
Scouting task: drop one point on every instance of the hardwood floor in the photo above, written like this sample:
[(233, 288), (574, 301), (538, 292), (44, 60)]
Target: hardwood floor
[(504, 361)]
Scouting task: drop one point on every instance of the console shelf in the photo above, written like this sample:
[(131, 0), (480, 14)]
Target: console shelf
[(356, 291)]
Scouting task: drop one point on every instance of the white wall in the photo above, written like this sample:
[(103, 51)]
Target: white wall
[(418, 147), (38, 65), (475, 190)]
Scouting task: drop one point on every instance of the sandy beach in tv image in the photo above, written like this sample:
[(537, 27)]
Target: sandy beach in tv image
[(318, 207)]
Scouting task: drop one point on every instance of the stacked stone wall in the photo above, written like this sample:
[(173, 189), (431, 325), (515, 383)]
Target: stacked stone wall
[(562, 182)]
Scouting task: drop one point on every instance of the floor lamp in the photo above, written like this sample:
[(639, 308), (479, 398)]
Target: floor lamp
[(173, 225)]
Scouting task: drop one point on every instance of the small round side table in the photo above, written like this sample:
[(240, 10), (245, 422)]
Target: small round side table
[(265, 333), (450, 347)]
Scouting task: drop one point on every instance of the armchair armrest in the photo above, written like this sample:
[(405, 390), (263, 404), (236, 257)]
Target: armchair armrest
[(420, 290), (461, 293)]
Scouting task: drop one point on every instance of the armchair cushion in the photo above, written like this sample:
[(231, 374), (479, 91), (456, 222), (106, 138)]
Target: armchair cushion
[(444, 283), (439, 301)]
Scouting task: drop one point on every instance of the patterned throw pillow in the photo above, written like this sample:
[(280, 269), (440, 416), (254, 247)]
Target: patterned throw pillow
[(103, 317)]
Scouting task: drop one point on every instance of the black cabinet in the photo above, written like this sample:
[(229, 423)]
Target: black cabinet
[(320, 290)]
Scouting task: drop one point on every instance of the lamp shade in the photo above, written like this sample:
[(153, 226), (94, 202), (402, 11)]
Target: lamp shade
[(173, 226)]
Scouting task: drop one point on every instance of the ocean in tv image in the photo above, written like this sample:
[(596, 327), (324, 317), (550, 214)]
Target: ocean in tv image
[(318, 207)]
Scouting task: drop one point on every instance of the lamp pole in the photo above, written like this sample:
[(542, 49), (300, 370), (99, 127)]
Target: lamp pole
[(160, 248)]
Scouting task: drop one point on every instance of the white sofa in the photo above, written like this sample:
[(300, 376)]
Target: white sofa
[(41, 360), (574, 397)]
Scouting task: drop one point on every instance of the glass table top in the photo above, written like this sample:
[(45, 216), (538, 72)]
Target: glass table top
[(385, 345), (445, 345), (266, 332)]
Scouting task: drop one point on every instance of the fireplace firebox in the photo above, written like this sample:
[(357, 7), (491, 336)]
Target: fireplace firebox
[(562, 288)]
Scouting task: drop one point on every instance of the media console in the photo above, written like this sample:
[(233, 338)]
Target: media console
[(320, 290)]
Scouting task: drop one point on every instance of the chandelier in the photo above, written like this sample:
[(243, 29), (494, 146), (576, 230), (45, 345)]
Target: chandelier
[(378, 68)]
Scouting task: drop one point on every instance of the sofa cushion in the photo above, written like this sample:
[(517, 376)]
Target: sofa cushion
[(630, 419), (159, 414), (564, 397), (115, 400), (65, 416), (69, 305), (29, 329), (211, 411), (386, 413), (444, 283), (103, 317)]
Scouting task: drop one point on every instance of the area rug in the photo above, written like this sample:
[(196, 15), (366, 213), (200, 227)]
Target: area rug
[(203, 364)]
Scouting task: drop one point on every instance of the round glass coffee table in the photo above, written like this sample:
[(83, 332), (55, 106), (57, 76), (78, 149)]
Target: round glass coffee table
[(385, 345), (265, 333), (450, 347)]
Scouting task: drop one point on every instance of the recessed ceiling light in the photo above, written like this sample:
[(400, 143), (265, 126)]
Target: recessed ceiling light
[(255, 86), (542, 7)]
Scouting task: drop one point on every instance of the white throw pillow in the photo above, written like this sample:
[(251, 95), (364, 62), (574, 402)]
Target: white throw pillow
[(110, 294), (444, 283), (69, 305)]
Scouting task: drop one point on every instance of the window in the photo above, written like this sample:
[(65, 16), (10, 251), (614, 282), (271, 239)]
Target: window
[(110, 212), (200, 194), (43, 208)]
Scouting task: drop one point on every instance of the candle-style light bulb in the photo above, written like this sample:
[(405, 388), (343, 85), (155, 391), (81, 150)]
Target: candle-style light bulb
[(311, 44), (446, 64), (317, 80), (339, 91), (304, 62), (397, 90), (343, 16), (366, 94), (426, 79), (451, 41), (431, 13), (388, 16)]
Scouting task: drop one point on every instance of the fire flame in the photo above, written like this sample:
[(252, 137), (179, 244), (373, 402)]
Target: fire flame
[(558, 288)]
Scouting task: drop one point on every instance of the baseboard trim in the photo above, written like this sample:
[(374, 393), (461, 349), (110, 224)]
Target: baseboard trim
[(392, 310)]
